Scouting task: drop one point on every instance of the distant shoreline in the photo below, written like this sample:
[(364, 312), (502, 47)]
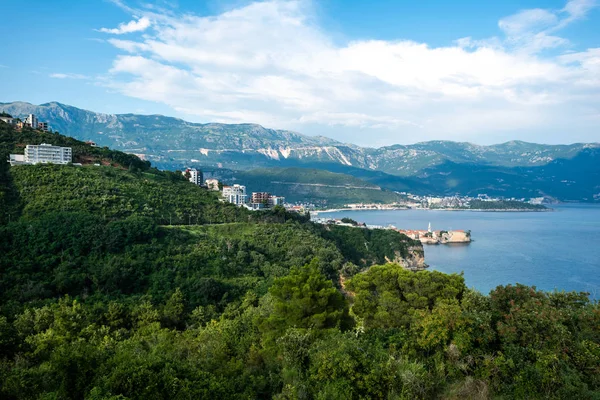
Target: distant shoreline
[(436, 209)]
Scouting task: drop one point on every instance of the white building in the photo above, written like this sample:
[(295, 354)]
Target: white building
[(43, 154), (9, 120), (195, 176), (276, 201), (31, 121), (212, 184), (235, 194)]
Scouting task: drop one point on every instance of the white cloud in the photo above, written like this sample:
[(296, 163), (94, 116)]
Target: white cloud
[(68, 76), (136, 25), (269, 63), (532, 30)]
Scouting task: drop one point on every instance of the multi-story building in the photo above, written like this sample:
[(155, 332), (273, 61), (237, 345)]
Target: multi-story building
[(194, 176), (260, 197), (31, 121), (261, 200), (276, 201), (235, 194), (46, 153), (212, 184), (43, 154), (42, 126)]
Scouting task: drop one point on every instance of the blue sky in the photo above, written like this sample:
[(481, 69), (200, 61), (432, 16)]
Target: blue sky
[(372, 73)]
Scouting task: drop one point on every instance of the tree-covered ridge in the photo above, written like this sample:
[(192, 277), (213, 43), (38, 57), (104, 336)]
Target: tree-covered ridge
[(82, 255), (112, 193), (316, 186), (13, 141)]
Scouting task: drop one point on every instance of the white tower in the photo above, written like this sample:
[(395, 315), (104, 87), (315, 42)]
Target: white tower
[(429, 228)]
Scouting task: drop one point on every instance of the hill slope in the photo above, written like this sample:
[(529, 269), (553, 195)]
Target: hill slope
[(316, 186)]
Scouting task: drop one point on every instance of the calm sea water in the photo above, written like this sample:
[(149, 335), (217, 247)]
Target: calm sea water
[(553, 250)]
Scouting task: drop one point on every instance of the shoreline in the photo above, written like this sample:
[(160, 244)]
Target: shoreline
[(434, 209)]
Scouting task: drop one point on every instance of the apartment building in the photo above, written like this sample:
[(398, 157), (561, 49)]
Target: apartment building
[(195, 176), (43, 154), (235, 194), (260, 197)]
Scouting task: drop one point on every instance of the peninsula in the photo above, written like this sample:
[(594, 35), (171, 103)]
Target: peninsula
[(438, 237)]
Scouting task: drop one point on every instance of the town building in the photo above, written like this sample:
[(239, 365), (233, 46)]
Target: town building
[(195, 176), (262, 200), (42, 126), (43, 154), (9, 120), (276, 201), (260, 197), (235, 194), (31, 121), (212, 184)]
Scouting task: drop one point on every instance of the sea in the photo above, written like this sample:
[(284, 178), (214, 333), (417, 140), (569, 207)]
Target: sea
[(557, 250)]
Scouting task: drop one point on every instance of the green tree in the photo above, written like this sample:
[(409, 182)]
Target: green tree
[(387, 296), (306, 299)]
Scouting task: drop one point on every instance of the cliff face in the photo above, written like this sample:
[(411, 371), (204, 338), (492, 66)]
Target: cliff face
[(414, 261), (456, 237)]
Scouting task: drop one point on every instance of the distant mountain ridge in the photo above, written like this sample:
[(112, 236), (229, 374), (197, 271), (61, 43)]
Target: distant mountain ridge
[(174, 143), (172, 140)]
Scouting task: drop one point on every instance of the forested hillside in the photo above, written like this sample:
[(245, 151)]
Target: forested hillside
[(315, 186), (131, 283)]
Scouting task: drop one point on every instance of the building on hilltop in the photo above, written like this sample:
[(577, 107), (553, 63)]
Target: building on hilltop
[(212, 184), (261, 197), (235, 194), (31, 121), (9, 120), (195, 176), (42, 126), (43, 154)]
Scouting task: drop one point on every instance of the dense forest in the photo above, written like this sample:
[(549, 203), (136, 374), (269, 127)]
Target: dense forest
[(124, 282)]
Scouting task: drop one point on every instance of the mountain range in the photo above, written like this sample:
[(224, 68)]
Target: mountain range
[(513, 169)]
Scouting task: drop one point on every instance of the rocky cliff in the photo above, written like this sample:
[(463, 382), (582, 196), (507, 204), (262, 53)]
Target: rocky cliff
[(415, 261)]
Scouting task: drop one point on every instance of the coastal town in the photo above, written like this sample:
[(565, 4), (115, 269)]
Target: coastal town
[(428, 236), (450, 203)]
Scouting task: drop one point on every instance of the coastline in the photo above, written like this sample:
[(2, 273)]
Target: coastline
[(433, 209)]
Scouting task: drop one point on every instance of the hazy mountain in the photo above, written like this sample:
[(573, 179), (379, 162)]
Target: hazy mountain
[(511, 168)]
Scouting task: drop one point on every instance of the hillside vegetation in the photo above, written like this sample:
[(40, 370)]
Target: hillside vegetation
[(102, 298), (312, 185)]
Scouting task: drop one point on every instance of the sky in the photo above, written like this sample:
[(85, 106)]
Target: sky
[(372, 73)]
